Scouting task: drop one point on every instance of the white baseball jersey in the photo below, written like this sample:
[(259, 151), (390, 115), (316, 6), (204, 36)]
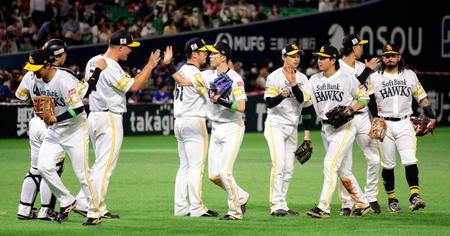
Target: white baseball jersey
[(289, 110), (113, 83), (339, 89), (190, 101), (394, 92), (217, 112), (367, 145)]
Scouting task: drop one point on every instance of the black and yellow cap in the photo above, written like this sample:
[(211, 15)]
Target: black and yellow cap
[(390, 48), (123, 37), (195, 44), (327, 51), (36, 60), (291, 49), (353, 39), (220, 47)]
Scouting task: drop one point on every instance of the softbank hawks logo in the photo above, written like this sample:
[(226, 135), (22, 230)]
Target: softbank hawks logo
[(395, 88), (409, 38), (325, 92)]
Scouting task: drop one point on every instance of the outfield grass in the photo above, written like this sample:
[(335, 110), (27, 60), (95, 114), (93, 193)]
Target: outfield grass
[(141, 191)]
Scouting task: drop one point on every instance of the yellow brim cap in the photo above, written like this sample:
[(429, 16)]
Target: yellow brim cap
[(320, 54), (390, 52), (134, 44), (211, 48), (32, 68), (363, 41), (293, 52)]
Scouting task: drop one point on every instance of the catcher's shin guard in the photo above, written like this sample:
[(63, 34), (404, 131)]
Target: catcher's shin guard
[(28, 195)]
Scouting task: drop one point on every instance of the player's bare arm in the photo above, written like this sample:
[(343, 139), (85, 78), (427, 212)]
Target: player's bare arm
[(426, 106), (139, 80)]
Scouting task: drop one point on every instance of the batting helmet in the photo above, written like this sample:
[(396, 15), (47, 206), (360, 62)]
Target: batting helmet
[(54, 47)]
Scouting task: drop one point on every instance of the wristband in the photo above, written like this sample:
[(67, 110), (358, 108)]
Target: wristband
[(234, 106), (428, 112), (72, 112), (171, 68)]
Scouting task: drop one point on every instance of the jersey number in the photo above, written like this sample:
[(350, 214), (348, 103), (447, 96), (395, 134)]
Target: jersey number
[(179, 93)]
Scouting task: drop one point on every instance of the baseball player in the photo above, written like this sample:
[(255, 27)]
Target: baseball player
[(227, 125), (32, 182), (394, 86), (192, 135), (351, 52), (107, 103), (67, 130), (328, 89), (285, 99)]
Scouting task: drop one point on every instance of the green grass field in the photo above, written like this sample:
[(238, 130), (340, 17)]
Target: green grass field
[(141, 191)]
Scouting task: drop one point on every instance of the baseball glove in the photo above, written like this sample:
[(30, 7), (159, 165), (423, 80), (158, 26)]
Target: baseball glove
[(422, 125), (304, 151), (44, 107), (221, 85), (339, 115), (378, 129)]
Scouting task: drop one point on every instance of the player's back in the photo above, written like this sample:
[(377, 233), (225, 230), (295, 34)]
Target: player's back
[(112, 85), (190, 101)]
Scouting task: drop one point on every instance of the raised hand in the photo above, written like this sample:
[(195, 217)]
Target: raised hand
[(154, 58), (290, 75), (373, 64), (168, 54)]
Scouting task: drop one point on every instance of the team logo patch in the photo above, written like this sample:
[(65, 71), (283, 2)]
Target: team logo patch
[(360, 86), (194, 47), (123, 41), (72, 91), (355, 41), (240, 83)]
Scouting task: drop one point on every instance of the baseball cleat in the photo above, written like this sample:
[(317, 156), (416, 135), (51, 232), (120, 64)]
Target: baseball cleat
[(345, 212), (279, 212), (361, 211), (92, 221), (109, 215), (375, 207), (416, 202), (394, 207), (64, 213), (228, 217), (244, 206), (317, 213), (32, 216), (210, 213), (51, 215)]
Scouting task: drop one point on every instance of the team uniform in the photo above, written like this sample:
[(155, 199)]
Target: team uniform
[(107, 104), (192, 138), (69, 135), (369, 146), (394, 93), (281, 135), (226, 137), (326, 93), (32, 183)]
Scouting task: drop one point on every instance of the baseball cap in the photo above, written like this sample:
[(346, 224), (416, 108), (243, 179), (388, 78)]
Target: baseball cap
[(36, 60), (220, 47), (123, 37), (352, 40), (291, 49), (327, 51), (390, 48), (195, 44)]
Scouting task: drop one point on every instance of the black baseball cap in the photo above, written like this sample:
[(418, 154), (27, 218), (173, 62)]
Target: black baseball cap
[(123, 37), (291, 49), (220, 47), (36, 60), (195, 44), (390, 48), (327, 51), (353, 39)]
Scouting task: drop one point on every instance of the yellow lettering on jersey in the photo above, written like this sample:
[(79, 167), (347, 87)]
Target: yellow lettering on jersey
[(122, 83)]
